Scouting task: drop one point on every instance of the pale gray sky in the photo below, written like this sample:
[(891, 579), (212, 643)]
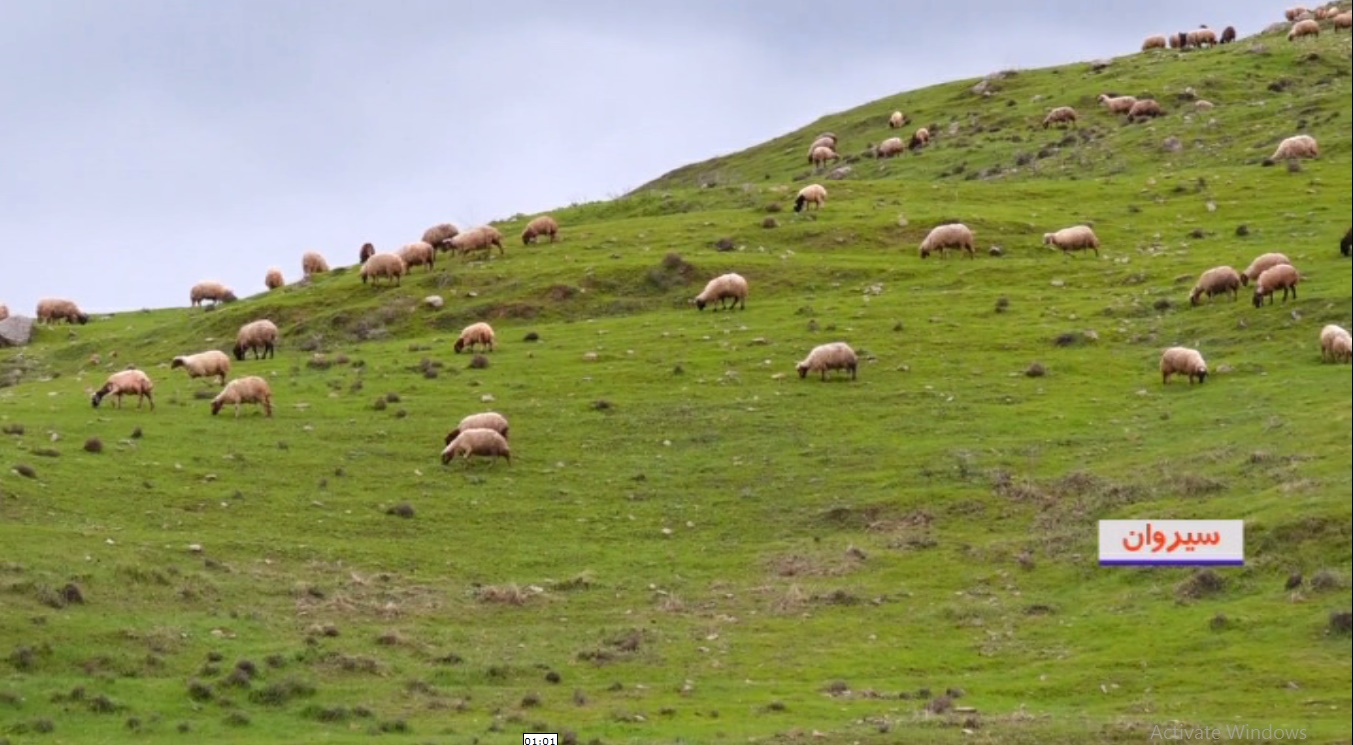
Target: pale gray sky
[(150, 144)]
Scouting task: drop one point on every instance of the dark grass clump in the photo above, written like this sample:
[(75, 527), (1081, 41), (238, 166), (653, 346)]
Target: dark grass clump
[(71, 594), (770, 223), (553, 677), (1201, 584), (204, 395), (1327, 580), (93, 445), (200, 691), (479, 362), (1293, 582), (47, 452), (13, 429), (404, 510), (281, 692), (1340, 623), (1036, 370), (392, 398), (530, 700), (940, 704), (237, 719), (25, 470), (602, 404), (531, 336), (379, 404), (1002, 304)]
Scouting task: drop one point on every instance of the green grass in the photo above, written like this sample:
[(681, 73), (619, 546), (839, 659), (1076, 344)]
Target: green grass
[(699, 545)]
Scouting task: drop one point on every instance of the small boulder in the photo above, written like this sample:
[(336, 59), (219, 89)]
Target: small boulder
[(16, 331), (434, 301)]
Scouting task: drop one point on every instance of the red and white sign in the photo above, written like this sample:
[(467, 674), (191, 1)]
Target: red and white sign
[(1171, 542)]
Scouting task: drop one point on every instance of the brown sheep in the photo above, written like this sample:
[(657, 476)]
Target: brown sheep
[(1279, 277), (214, 291), (1228, 35), (475, 334), (126, 381), (51, 310), (418, 253), (1060, 115), (1183, 361), (483, 442), (1216, 281), (387, 265), (256, 335), (1153, 42), (1343, 20), (434, 235), (247, 390), (273, 279), (1302, 29), (1144, 108), (543, 225)]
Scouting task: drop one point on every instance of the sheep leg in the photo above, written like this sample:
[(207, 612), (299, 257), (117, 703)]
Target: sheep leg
[(1164, 378)]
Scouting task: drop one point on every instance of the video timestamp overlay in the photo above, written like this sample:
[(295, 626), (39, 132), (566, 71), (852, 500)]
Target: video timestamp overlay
[(540, 738)]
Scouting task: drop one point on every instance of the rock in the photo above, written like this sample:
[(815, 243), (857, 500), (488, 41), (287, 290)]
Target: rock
[(996, 251), (16, 331), (839, 173), (434, 301), (1172, 144)]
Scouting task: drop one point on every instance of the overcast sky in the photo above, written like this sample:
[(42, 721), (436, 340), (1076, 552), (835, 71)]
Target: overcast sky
[(149, 144)]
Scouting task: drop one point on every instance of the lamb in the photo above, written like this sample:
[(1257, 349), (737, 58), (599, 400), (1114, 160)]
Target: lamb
[(1216, 281), (435, 235), (482, 238), (1144, 108), (1299, 146), (821, 155), (834, 356), (1153, 42), (51, 310), (1228, 35), (1300, 29), (1343, 20), (255, 335), (722, 288), (1345, 246), (273, 279), (1075, 238), (919, 140), (1203, 37), (945, 237), (897, 120), (1118, 104), (890, 147), (1183, 361), (1060, 115), (313, 263), (814, 193), (483, 442), (1280, 277), (476, 333), (123, 382), (209, 364), (387, 265), (1335, 344), (366, 252), (247, 390), (1260, 264), (543, 225), (216, 292), (486, 420), (418, 253)]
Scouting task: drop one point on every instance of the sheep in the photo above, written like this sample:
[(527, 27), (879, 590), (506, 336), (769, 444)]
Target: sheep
[(821, 155), (51, 310), (435, 235), (476, 333), (418, 253), (273, 279), (126, 381), (919, 140), (247, 390), (486, 420), (216, 292), (1279, 277), (255, 335), (1319, 14), (1343, 20), (1345, 245), (1182, 361), (828, 136), (1297, 146), (387, 265), (834, 356), (4, 311), (897, 120), (1185, 40), (1228, 35), (483, 442), (1203, 37), (1260, 264), (945, 237), (1144, 108), (1216, 281), (1153, 42), (890, 147), (1117, 104), (814, 193), (1292, 13), (313, 263), (1335, 344), (1300, 29), (1060, 115), (827, 142), (1176, 41), (543, 225), (1075, 238), (482, 238), (722, 288), (366, 252), (209, 364)]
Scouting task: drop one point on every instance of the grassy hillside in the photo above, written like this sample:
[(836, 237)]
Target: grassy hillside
[(691, 543)]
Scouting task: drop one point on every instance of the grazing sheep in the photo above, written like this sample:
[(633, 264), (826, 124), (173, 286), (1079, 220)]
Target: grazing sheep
[(1343, 20), (919, 140), (1228, 35), (1300, 29), (827, 142), (486, 420), (123, 382), (722, 288), (834, 356), (216, 292), (1185, 41), (1280, 277), (1260, 264), (890, 147), (1075, 238), (1203, 37), (821, 155), (210, 364), (543, 225), (247, 390), (418, 253), (387, 265), (1294, 12), (484, 442), (367, 251), (1060, 115), (482, 238), (1345, 245), (313, 263), (945, 237), (1216, 281), (1153, 42), (1176, 41), (256, 335), (828, 136), (1118, 104), (897, 120), (1144, 108), (1335, 344), (1183, 361), (1320, 13), (1299, 146), (476, 333), (435, 235), (4, 311), (273, 279), (51, 310), (815, 193)]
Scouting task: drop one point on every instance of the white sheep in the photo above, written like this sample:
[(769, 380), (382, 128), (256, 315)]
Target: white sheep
[(722, 288), (210, 364), (1278, 277), (543, 225), (273, 279), (1060, 115), (384, 264), (313, 263), (1145, 108), (834, 356), (1203, 37), (1335, 344), (1218, 280), (485, 420), (821, 155), (945, 237), (51, 310), (214, 291), (475, 334), (812, 193), (1343, 20), (247, 390), (1297, 146), (1183, 361), (418, 253), (827, 142), (437, 235), (482, 238), (897, 120), (1117, 104), (1261, 263), (125, 382), (482, 442), (1074, 238), (1153, 42), (256, 335), (890, 147), (1300, 29)]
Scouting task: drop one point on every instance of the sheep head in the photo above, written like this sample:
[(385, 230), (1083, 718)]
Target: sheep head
[(1258, 298), (216, 407), (176, 363), (98, 396), (239, 348), (83, 318), (459, 345)]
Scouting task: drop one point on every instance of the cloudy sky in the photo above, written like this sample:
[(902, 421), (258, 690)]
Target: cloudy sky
[(149, 144)]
